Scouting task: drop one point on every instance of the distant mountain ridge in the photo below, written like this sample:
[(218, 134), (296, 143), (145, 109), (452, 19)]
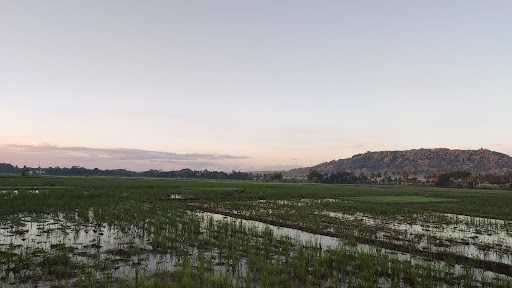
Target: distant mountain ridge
[(417, 161)]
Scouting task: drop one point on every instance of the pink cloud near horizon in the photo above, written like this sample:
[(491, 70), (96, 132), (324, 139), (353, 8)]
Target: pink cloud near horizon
[(114, 158)]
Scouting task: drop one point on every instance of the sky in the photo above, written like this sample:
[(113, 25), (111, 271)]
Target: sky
[(249, 85)]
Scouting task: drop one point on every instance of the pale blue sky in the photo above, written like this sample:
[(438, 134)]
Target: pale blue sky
[(284, 83)]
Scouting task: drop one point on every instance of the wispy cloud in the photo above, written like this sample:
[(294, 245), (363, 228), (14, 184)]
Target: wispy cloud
[(137, 159)]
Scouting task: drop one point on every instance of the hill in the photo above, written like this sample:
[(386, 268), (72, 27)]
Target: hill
[(417, 161)]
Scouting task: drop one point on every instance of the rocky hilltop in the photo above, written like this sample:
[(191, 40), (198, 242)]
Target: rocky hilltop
[(417, 161)]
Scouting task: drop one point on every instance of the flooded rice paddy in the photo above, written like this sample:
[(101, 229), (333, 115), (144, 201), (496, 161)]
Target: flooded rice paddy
[(127, 252), (440, 235), (481, 238), (164, 238)]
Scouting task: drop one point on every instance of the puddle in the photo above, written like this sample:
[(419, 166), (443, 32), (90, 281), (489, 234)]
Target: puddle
[(480, 238), (327, 242), (45, 232), (473, 237), (126, 248), (310, 239), (86, 243), (13, 193), (304, 238), (301, 202)]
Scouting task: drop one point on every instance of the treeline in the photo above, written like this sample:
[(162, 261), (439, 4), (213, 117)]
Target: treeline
[(460, 179), (81, 171), (8, 169), (465, 179)]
